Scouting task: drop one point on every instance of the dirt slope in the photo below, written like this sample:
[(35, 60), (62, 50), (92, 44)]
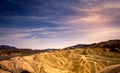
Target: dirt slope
[(91, 60)]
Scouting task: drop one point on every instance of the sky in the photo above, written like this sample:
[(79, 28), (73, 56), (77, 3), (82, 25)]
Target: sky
[(41, 24)]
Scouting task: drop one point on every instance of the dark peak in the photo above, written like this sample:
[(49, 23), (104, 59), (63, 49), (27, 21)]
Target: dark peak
[(7, 47), (77, 46), (113, 45), (115, 40), (108, 44), (111, 41)]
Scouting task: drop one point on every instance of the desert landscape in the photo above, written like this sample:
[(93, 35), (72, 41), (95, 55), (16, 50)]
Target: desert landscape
[(103, 57), (59, 36)]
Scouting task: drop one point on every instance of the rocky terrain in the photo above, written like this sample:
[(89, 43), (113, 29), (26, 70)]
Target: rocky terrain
[(75, 60)]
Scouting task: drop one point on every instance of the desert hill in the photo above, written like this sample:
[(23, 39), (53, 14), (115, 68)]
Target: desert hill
[(112, 45), (78, 60), (7, 52)]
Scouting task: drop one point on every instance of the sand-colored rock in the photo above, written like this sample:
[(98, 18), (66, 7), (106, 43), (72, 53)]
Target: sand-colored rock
[(62, 61), (111, 69)]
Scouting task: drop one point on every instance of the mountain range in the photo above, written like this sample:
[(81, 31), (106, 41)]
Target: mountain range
[(103, 57)]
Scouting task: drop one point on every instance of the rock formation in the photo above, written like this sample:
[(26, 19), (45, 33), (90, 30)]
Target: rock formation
[(89, 60)]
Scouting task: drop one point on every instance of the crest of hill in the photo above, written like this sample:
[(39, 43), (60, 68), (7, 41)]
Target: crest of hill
[(113, 45), (7, 47), (7, 52)]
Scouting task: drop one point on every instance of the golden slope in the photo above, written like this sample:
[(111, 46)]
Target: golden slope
[(63, 61)]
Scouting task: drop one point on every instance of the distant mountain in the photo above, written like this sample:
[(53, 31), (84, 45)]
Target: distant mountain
[(7, 47), (7, 52), (113, 45), (77, 46)]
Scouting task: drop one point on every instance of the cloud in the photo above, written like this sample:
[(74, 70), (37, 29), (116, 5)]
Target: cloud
[(102, 13), (69, 12), (36, 37), (60, 23), (40, 33), (56, 37), (26, 17)]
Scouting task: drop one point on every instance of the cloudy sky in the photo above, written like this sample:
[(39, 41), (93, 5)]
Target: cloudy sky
[(41, 24)]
